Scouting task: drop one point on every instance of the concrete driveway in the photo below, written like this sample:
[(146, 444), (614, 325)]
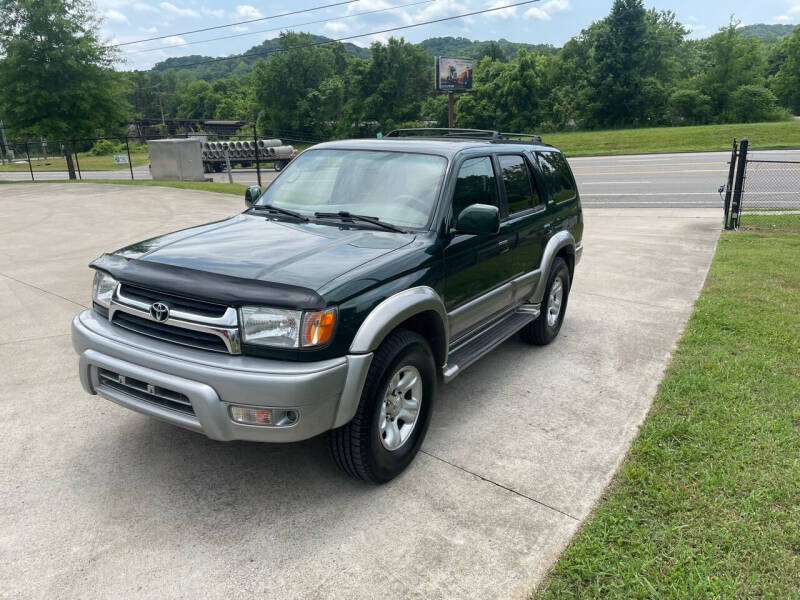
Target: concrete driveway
[(100, 502)]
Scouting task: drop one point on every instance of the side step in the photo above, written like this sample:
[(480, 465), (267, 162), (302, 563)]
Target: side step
[(475, 347)]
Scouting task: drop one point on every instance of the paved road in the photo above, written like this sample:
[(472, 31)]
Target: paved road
[(674, 180), (100, 502)]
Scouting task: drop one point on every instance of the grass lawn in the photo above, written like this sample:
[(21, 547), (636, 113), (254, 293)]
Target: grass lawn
[(770, 222), (707, 503), (87, 163), (237, 189), (676, 139)]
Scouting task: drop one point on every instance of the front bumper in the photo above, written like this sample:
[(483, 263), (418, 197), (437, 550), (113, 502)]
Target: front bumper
[(324, 393)]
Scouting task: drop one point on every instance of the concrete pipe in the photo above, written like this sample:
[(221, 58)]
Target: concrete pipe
[(283, 151), (268, 143)]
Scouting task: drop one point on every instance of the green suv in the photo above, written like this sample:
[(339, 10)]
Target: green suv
[(367, 274)]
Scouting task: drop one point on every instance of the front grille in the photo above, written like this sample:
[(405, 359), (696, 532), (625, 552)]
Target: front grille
[(178, 335), (146, 391), (206, 309)]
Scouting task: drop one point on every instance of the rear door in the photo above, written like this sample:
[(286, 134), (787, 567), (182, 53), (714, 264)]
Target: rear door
[(563, 200), (527, 218), (477, 266)]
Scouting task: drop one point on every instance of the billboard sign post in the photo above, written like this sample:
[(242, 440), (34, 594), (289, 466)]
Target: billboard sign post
[(453, 75)]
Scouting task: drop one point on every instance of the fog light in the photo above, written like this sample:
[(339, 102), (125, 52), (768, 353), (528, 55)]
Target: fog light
[(251, 416), (271, 417)]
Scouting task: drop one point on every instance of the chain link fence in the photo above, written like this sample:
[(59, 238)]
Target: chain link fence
[(762, 192), (127, 158), (771, 192)]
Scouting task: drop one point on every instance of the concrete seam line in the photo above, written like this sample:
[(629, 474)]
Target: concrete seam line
[(42, 290), (500, 485), (658, 306), (36, 339)]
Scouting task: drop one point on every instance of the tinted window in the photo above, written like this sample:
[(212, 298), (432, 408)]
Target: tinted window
[(520, 193), (476, 184), (557, 171)]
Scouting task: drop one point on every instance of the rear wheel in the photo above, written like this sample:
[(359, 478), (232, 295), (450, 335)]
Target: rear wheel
[(554, 305), (393, 415)]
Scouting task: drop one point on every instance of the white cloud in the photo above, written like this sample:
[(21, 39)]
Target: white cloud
[(149, 29), (175, 40), (502, 14), (144, 7), (213, 12), (114, 16), (783, 19), (546, 10), (245, 11), (180, 12), (336, 27)]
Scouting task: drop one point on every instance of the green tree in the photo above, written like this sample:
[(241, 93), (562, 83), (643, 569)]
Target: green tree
[(786, 82), (619, 64), (690, 107), (753, 104), (391, 86), (733, 60), (56, 76)]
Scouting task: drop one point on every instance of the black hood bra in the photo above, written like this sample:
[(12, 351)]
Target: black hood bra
[(203, 285)]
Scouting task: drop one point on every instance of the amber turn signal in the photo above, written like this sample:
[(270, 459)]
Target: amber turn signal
[(318, 327)]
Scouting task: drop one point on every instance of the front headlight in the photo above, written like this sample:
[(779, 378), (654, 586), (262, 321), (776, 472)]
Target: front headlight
[(286, 328), (103, 288)]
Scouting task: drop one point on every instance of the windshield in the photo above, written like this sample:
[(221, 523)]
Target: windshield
[(396, 187)]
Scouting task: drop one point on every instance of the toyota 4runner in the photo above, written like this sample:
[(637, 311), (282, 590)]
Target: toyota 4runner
[(366, 274)]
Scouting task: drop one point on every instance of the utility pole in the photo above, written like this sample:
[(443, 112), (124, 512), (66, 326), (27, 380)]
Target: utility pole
[(6, 153), (451, 117)]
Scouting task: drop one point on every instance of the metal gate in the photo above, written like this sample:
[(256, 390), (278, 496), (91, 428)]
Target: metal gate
[(759, 187)]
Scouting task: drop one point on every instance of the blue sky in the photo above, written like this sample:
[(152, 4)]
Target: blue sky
[(545, 21)]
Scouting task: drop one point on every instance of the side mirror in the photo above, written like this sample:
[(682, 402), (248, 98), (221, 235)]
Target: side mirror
[(251, 194), (479, 219)]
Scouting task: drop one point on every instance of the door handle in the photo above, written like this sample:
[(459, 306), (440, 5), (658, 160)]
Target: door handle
[(504, 246)]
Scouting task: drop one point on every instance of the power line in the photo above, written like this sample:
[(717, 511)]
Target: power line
[(286, 14), (228, 37), (352, 37)]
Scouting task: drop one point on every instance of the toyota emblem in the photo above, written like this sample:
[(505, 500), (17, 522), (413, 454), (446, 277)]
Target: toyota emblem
[(159, 311)]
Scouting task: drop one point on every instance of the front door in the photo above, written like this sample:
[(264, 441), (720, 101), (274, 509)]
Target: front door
[(477, 266)]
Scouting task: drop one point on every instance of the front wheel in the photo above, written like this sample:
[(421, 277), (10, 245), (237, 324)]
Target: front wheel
[(394, 411), (554, 305)]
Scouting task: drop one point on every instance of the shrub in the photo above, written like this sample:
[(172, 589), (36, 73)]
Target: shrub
[(754, 104), (690, 107), (104, 148)]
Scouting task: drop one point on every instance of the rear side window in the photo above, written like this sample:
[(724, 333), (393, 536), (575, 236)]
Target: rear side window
[(476, 184), (520, 190), (557, 172)]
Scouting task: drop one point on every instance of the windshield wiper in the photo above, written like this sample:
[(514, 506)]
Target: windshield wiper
[(277, 209), (348, 216)]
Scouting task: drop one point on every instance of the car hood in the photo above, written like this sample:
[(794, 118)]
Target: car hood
[(266, 249)]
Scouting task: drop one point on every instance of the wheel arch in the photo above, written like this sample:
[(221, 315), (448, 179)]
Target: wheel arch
[(419, 309), (561, 244)]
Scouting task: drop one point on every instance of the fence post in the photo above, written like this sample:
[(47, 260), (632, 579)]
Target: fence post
[(228, 164), (258, 164), (729, 186), (738, 189), (77, 162), (30, 166), (128, 149)]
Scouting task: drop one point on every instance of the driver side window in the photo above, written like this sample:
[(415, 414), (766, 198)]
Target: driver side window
[(476, 184)]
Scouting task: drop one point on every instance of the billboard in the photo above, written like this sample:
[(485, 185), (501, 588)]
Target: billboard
[(453, 74)]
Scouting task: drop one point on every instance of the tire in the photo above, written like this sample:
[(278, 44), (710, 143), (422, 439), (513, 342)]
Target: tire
[(361, 448), (547, 325), (278, 165)]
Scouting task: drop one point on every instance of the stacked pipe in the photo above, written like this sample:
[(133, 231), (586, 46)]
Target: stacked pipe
[(245, 150)]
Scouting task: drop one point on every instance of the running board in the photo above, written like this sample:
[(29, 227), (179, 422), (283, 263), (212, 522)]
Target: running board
[(466, 353)]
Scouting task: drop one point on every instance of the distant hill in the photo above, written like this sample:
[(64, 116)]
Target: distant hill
[(461, 47), (766, 32), (238, 64)]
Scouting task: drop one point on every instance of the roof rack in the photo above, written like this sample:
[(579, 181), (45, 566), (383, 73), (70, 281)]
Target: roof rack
[(470, 134)]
